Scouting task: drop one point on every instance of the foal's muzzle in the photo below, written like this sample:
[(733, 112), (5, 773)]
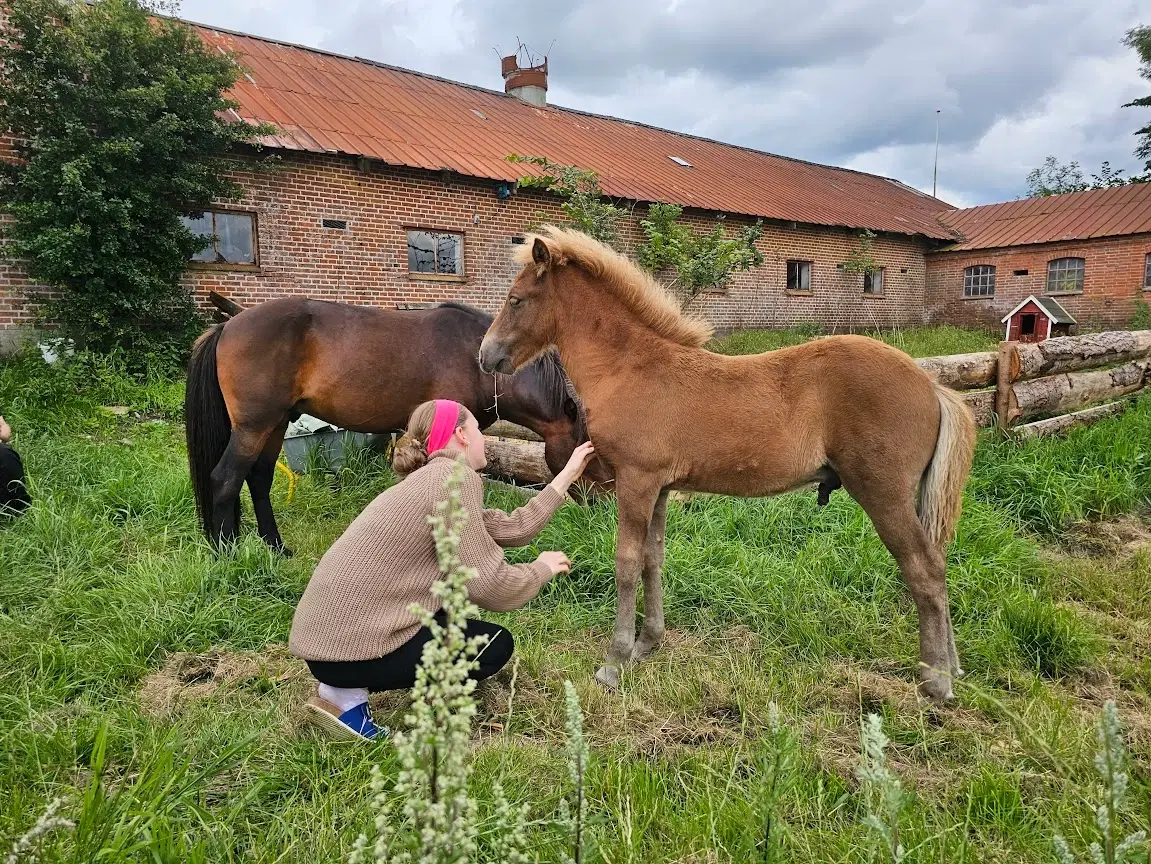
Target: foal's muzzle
[(494, 357)]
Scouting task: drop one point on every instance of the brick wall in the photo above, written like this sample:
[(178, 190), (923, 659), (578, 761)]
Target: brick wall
[(367, 263), (1113, 276)]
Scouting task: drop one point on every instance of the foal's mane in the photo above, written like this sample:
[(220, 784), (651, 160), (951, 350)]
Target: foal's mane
[(634, 287)]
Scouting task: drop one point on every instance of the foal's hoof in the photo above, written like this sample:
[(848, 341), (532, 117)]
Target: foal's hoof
[(608, 676), (937, 687), (282, 550)]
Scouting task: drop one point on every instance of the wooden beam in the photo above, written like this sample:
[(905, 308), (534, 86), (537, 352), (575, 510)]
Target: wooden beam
[(1006, 371), (504, 429), (1076, 353), (982, 405), (1057, 425), (962, 371), (228, 307), (519, 460), (1057, 394)]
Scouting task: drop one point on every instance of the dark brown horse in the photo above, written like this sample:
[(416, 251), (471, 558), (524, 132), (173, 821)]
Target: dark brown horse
[(666, 414), (357, 367)]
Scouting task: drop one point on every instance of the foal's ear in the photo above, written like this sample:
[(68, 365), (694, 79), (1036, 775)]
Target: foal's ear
[(541, 254)]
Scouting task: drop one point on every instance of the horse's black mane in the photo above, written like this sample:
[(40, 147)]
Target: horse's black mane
[(552, 375)]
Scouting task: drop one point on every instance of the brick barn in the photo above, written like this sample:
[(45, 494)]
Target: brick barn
[(1092, 250), (391, 187)]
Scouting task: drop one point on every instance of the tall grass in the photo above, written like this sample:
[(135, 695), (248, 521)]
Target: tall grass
[(773, 601), (916, 341)]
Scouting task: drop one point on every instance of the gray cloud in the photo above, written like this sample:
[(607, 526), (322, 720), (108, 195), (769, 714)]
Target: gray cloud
[(848, 82)]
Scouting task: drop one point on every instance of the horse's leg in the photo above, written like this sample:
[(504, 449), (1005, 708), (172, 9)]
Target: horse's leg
[(228, 479), (891, 506), (653, 554), (260, 486), (635, 501)]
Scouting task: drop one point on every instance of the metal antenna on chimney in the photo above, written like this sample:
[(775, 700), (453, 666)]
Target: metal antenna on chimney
[(935, 173)]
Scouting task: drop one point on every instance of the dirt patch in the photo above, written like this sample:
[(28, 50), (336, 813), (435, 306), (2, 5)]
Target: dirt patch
[(850, 692), (187, 677), (1118, 537)]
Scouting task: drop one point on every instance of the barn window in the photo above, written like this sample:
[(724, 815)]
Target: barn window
[(232, 236), (1065, 276), (873, 282), (1147, 273), (435, 254), (979, 281), (799, 276)]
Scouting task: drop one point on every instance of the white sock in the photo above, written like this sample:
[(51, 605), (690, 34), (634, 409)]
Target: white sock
[(343, 698)]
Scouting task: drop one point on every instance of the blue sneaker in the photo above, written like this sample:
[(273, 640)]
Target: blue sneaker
[(355, 724)]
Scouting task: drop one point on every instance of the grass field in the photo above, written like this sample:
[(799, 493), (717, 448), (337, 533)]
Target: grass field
[(145, 677), (916, 341)]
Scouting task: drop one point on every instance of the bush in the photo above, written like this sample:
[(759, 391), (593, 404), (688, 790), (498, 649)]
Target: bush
[(118, 119)]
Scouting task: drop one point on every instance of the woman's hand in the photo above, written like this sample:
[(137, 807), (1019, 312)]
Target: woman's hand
[(557, 562), (575, 467), (5, 431)]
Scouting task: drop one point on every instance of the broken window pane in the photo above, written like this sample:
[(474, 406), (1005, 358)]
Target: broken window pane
[(201, 225), (234, 238), (421, 252)]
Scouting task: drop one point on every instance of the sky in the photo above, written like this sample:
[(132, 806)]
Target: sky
[(854, 83)]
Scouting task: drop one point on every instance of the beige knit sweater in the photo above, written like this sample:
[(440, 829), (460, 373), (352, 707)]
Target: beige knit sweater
[(356, 604)]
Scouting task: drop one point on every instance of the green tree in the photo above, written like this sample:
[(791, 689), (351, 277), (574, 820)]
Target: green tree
[(701, 260), (1056, 178), (1139, 38), (583, 198), (119, 116)]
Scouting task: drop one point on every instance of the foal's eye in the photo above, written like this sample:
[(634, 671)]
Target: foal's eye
[(514, 301)]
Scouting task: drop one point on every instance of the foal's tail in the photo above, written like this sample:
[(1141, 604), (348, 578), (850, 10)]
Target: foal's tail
[(206, 420), (941, 489)]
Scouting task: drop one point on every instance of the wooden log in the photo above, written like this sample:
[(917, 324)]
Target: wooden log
[(504, 429), (228, 307), (1057, 425), (982, 405), (962, 371), (1057, 394), (518, 460), (1090, 351), (1006, 371)]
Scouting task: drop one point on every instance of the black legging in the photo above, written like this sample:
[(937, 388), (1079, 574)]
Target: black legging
[(397, 671), (14, 498)]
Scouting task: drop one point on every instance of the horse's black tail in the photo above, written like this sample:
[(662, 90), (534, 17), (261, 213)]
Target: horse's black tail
[(206, 421)]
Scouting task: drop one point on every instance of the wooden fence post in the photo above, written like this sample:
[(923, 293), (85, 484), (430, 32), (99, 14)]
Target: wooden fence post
[(1007, 371)]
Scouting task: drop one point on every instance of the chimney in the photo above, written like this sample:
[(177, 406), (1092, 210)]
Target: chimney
[(530, 84)]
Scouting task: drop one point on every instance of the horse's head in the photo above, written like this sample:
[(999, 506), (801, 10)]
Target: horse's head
[(527, 324)]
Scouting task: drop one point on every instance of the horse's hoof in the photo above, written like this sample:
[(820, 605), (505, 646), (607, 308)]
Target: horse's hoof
[(608, 676), (284, 551)]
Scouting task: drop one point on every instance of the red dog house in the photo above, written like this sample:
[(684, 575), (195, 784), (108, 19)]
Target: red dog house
[(1036, 319)]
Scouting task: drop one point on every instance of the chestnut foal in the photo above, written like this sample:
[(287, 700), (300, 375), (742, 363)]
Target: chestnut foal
[(665, 413)]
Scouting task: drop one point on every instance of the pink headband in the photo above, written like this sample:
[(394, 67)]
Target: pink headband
[(445, 423)]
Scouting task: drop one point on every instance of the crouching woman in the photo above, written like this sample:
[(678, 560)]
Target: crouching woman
[(353, 627)]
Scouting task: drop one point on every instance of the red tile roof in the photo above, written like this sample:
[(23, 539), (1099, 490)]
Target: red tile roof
[(1077, 216), (323, 103)]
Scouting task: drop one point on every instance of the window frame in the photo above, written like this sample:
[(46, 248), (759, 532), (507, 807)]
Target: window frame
[(798, 262), (882, 292), (437, 277), (1147, 272), (1082, 269), (255, 266), (972, 281)]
